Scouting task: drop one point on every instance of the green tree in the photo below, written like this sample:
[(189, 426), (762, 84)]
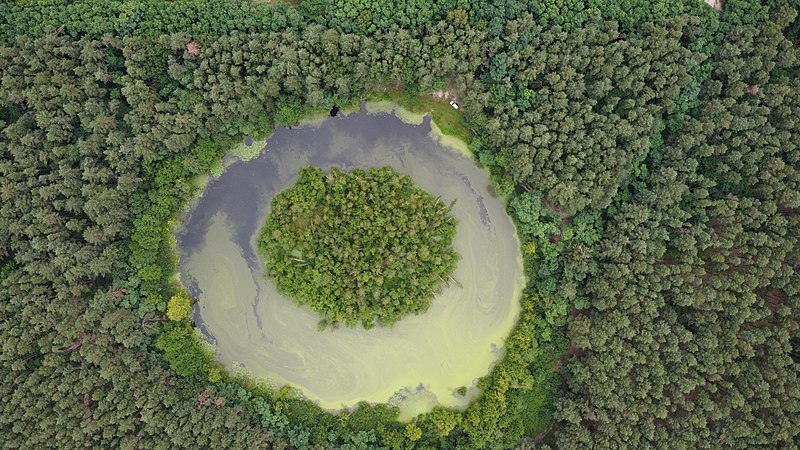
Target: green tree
[(359, 247), (179, 306)]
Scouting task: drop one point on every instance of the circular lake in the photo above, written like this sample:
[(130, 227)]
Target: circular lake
[(420, 362)]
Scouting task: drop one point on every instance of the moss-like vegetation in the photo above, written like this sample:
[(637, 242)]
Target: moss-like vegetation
[(360, 247)]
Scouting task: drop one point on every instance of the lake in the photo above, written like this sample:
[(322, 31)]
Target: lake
[(422, 360)]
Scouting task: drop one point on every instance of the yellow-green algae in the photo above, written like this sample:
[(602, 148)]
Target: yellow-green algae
[(247, 152), (419, 362), (379, 106), (450, 142)]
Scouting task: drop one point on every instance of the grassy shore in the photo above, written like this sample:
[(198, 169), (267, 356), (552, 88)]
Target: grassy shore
[(449, 120)]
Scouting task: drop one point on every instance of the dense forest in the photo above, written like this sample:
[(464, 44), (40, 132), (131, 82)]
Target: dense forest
[(649, 152), (360, 247)]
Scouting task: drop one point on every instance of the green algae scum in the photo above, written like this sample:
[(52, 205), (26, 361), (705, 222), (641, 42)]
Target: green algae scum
[(419, 362)]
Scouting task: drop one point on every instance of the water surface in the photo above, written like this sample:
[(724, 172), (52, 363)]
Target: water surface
[(419, 362)]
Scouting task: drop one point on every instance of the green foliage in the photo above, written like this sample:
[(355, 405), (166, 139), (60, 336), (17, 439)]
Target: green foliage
[(577, 128), (412, 432), (6, 269), (654, 173), (442, 421), (359, 247), (180, 350), (214, 374), (290, 111), (571, 14), (374, 16), (496, 421), (534, 218), (179, 306), (688, 273), (150, 244), (139, 17)]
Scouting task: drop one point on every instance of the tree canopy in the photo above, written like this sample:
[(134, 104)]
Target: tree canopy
[(650, 153), (359, 247)]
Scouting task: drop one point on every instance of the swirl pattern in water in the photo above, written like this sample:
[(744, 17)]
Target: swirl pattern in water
[(421, 361)]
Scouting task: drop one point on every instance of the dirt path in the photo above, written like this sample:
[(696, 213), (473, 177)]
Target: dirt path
[(445, 96), (448, 94)]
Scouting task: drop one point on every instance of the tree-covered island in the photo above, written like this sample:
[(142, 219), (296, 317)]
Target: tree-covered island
[(359, 247)]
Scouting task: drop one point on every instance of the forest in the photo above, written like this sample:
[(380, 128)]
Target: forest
[(649, 152), (359, 247)]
